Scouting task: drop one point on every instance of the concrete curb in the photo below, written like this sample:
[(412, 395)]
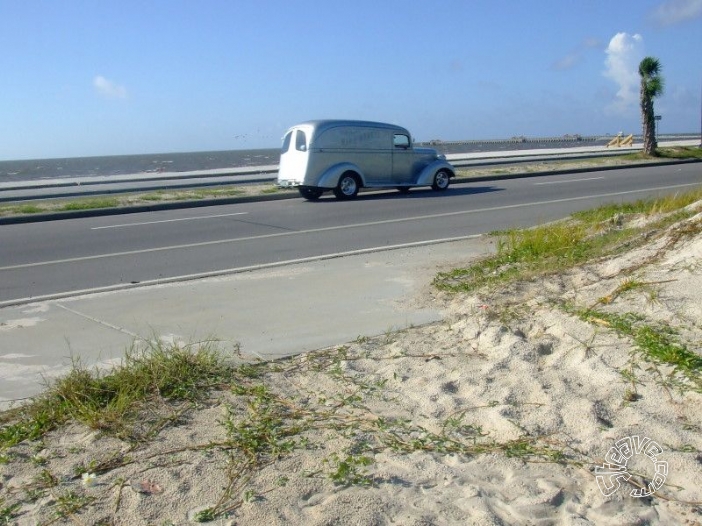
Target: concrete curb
[(174, 205)]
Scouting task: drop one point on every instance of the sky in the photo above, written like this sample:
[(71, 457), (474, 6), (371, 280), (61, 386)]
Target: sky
[(118, 77)]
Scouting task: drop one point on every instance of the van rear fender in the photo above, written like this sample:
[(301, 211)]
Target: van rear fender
[(330, 177), (426, 176)]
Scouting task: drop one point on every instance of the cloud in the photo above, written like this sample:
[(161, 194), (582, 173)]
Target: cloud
[(108, 88), (576, 56), (674, 12), (566, 62), (592, 43), (624, 53)]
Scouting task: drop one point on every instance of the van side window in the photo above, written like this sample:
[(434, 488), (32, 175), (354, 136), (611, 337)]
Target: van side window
[(286, 142), (300, 141), (401, 141)]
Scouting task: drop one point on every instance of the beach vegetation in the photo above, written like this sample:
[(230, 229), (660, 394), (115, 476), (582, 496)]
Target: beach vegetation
[(46, 479), (7, 513), (260, 425), (110, 402), (656, 343), (206, 515), (551, 248), (349, 470), (628, 285), (69, 502)]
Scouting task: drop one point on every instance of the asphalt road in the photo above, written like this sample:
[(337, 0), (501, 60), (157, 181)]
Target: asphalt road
[(40, 260)]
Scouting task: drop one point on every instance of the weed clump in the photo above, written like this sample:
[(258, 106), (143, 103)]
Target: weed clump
[(110, 402)]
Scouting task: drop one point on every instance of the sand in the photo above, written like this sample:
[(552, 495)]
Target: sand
[(505, 412)]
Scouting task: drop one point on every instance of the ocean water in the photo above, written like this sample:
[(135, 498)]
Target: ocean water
[(184, 162), (131, 164)]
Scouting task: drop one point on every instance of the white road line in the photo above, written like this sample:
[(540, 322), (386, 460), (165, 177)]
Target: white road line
[(340, 227), (167, 221), (569, 181)]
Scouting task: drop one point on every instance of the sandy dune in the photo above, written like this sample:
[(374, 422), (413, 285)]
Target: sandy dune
[(504, 413)]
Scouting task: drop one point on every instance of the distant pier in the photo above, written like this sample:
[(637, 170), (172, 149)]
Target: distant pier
[(550, 140), (520, 140)]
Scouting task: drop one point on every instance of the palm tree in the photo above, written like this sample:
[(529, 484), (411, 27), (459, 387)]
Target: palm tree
[(651, 87)]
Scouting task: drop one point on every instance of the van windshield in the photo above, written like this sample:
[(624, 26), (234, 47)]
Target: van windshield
[(286, 142)]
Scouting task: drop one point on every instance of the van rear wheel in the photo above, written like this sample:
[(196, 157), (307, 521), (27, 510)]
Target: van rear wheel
[(311, 194), (348, 186)]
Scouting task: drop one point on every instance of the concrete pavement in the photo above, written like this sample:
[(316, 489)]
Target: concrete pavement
[(271, 312)]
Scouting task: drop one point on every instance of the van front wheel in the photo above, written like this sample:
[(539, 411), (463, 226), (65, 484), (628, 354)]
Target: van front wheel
[(442, 179), (348, 186)]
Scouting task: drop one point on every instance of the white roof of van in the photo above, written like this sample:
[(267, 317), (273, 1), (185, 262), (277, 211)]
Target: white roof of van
[(324, 124)]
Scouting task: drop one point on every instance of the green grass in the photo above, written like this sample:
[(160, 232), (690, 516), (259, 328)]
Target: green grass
[(662, 205), (28, 209), (90, 204), (656, 343), (7, 513), (22, 209), (222, 192), (681, 153), (111, 401), (677, 152), (126, 200), (159, 195), (551, 248), (525, 253), (183, 195)]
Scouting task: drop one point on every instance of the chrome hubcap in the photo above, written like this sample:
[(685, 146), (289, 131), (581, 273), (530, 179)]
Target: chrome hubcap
[(348, 185)]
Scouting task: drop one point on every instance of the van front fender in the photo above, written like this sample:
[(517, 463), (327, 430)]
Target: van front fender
[(330, 177), (426, 177)]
